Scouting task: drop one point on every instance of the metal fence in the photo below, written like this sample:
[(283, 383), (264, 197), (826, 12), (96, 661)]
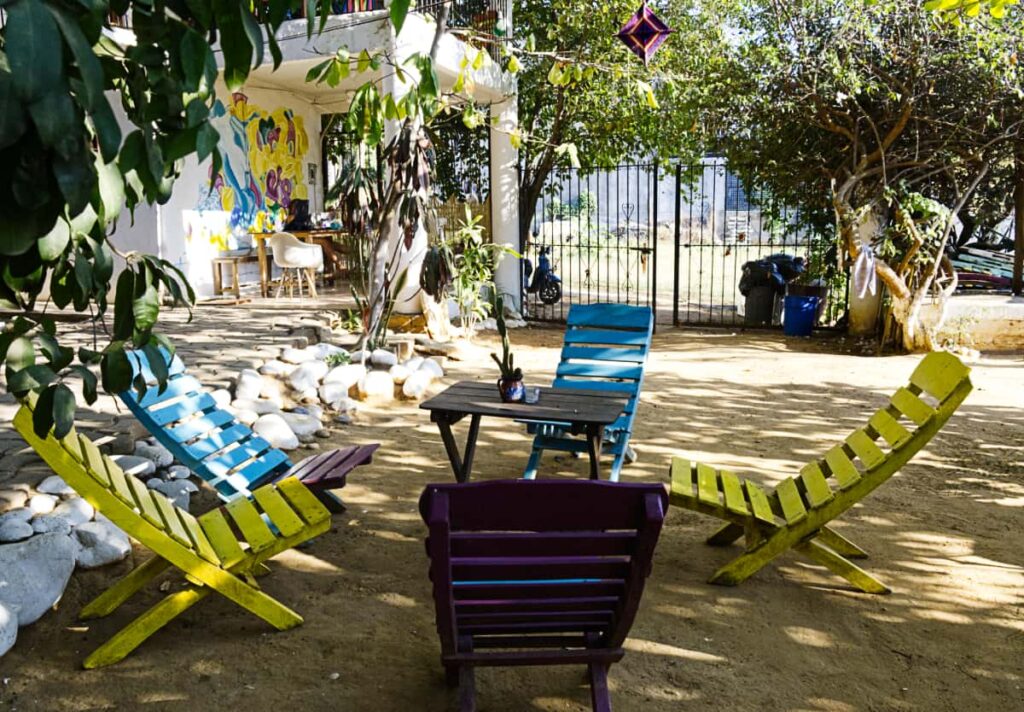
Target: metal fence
[(675, 239)]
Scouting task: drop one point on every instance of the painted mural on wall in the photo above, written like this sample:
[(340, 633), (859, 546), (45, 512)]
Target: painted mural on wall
[(264, 153)]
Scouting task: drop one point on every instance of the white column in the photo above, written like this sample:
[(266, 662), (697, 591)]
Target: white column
[(505, 197)]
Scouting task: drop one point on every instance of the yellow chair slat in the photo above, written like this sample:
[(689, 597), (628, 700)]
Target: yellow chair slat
[(170, 519), (865, 448), (303, 501), (144, 499), (889, 428), (912, 406), (200, 542), (815, 486), (733, 493), (707, 484), (759, 503), (275, 507), (92, 459), (842, 468), (792, 505), (939, 374), (119, 483), (73, 445), (221, 538), (250, 523)]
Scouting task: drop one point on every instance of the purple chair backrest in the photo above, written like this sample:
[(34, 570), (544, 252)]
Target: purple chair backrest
[(539, 564)]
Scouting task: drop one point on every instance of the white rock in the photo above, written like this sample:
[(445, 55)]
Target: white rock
[(276, 368), (432, 366), (15, 530), (307, 396), (330, 393), (399, 373), (42, 503), (325, 350), (178, 472), (377, 385), (247, 416), (12, 499), (56, 486), (414, 363), (260, 406), (249, 385), (360, 356), (347, 375), (308, 375), (416, 384), (154, 482), (160, 455), (382, 358), (21, 514), (297, 356), (8, 629), (51, 524), (275, 430), (313, 410), (273, 390), (33, 574), (76, 510), (302, 425), (100, 543), (135, 465), (346, 405), (222, 397)]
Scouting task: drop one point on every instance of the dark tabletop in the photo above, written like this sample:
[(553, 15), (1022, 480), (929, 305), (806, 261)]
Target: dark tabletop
[(566, 405)]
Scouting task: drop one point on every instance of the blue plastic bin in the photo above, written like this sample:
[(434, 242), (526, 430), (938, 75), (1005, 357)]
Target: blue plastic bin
[(799, 315)]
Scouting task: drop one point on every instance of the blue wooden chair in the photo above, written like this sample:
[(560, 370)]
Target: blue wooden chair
[(224, 452), (605, 349)]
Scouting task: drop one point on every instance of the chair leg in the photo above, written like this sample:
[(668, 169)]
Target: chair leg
[(725, 536), (467, 688), (751, 561), (530, 473), (333, 502), (136, 632), (840, 544), (121, 591), (841, 567), (600, 699), (613, 474)]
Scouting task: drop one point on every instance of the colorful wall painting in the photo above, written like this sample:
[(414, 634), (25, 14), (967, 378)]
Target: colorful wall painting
[(264, 161)]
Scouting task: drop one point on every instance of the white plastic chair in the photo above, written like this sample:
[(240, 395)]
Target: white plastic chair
[(296, 258)]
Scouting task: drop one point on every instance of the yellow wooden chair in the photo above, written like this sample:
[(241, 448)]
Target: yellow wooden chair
[(206, 549), (796, 514)]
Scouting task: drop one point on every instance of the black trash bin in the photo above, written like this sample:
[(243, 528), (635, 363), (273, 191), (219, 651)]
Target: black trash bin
[(760, 306), (761, 283)]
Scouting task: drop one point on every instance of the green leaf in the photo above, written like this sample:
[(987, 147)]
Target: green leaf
[(399, 9), (42, 415), (12, 113), (20, 354), (63, 410), (89, 383), (192, 56), (108, 131), (364, 61), (236, 49), (33, 48), (146, 307), (206, 141), (52, 245), (316, 70), (116, 369), (31, 378), (110, 186), (157, 364), (253, 32), (124, 318), (88, 65)]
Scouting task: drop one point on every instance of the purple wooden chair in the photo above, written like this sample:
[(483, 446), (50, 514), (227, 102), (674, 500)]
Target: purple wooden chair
[(538, 573)]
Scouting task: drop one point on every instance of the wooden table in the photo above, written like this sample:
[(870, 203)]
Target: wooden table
[(309, 236), (582, 412)]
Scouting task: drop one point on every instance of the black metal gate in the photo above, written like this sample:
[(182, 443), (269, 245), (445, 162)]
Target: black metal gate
[(675, 240), (598, 230)]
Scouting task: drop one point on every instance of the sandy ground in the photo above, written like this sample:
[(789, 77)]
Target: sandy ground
[(946, 534)]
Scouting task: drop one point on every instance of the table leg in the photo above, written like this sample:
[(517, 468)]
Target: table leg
[(261, 256), (462, 465), (594, 436), (218, 288)]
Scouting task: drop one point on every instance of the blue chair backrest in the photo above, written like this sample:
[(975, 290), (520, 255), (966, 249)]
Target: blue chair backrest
[(207, 439), (606, 347)]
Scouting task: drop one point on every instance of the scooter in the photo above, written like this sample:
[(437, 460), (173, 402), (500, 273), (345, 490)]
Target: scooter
[(545, 283)]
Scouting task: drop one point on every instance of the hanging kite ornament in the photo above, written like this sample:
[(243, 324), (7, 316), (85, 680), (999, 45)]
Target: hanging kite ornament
[(644, 32)]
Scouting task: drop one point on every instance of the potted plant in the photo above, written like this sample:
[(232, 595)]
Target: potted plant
[(510, 384)]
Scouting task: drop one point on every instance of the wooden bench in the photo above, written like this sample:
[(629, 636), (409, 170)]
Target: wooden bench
[(232, 262)]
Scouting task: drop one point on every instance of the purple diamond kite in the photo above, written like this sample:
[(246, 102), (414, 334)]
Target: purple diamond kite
[(644, 32)]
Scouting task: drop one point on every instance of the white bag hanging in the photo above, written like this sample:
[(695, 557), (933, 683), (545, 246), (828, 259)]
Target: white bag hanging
[(864, 278)]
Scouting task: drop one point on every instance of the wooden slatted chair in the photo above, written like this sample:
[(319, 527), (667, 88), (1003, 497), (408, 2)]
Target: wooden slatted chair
[(206, 549), (224, 452), (796, 514), (538, 573), (606, 347)]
